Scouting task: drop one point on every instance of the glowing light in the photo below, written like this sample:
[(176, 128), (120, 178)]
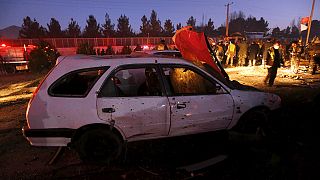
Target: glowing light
[(3, 45), (31, 46), (145, 47)]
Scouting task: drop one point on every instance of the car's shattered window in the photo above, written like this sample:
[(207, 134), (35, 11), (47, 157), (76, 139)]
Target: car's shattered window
[(132, 82), (76, 83), (183, 81)]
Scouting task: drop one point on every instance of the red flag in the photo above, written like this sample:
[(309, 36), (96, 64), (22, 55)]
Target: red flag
[(304, 23), (304, 20), (193, 47)]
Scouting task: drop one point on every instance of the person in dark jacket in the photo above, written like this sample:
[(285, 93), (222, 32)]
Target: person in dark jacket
[(265, 48), (253, 53), (219, 51), (314, 52), (276, 58), (243, 51)]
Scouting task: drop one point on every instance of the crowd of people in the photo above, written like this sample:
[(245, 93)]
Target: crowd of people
[(269, 53), (233, 53)]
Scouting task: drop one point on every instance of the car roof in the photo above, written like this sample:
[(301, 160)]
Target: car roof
[(74, 62), (164, 53)]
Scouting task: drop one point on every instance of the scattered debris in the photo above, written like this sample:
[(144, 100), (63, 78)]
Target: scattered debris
[(153, 173), (204, 164), (57, 154)]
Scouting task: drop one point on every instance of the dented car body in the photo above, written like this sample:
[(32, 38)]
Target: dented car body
[(136, 98)]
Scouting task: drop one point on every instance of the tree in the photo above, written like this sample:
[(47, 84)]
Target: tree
[(54, 29), (238, 23), (295, 32), (315, 26), (73, 29), (155, 25), (145, 26), (168, 29), (31, 29), (262, 25), (179, 26), (124, 28), (92, 28), (276, 33), (108, 27), (252, 25), (191, 21), (221, 31), (209, 28), (236, 15), (286, 32), (43, 57)]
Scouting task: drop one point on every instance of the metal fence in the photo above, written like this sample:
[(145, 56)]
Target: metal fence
[(96, 42)]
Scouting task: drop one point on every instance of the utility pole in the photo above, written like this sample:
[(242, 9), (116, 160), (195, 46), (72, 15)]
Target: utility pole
[(227, 19), (310, 20)]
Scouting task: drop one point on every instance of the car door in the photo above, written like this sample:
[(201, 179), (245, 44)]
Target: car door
[(134, 98), (198, 103)]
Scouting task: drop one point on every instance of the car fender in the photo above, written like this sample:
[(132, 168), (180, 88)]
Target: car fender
[(247, 100)]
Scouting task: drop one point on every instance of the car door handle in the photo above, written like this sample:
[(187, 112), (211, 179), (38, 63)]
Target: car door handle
[(181, 106), (108, 110)]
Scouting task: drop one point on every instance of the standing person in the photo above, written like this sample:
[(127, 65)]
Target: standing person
[(295, 52), (231, 52), (219, 51), (253, 53), (162, 45), (276, 58), (314, 52), (243, 51), (265, 48), (2, 68)]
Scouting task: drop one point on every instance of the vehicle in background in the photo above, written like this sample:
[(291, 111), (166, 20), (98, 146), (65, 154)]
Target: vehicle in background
[(165, 53), (14, 59)]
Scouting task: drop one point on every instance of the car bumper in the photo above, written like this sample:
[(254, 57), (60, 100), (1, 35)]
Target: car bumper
[(48, 137)]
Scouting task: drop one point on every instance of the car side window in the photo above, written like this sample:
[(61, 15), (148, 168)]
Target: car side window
[(131, 82), (77, 83), (185, 81)]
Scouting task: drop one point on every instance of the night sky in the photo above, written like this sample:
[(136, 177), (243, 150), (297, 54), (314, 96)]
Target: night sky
[(277, 12)]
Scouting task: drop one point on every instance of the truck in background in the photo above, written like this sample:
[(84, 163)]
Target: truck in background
[(14, 59)]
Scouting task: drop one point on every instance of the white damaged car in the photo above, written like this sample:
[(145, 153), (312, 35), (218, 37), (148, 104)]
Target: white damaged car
[(95, 104)]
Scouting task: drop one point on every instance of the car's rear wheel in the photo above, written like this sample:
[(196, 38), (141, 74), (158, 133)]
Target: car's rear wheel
[(99, 146)]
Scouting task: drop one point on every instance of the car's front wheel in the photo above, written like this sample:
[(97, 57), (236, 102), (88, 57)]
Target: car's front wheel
[(254, 125), (99, 145)]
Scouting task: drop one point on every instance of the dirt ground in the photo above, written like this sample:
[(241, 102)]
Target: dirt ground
[(292, 154)]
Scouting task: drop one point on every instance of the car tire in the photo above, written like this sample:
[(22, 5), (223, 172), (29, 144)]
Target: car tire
[(11, 69), (99, 146), (254, 124)]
